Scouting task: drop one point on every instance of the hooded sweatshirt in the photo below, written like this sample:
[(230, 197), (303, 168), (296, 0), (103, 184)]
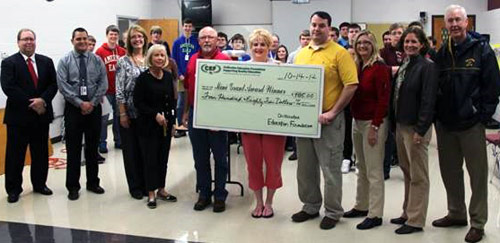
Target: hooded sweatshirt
[(110, 58)]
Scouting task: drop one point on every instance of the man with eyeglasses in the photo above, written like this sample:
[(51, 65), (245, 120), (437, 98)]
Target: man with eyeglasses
[(29, 82), (205, 141)]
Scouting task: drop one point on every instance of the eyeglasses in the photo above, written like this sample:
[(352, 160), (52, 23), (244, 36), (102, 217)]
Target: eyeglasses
[(365, 43), (27, 39)]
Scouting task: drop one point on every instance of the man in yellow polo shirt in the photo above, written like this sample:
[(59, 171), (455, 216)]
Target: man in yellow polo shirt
[(340, 83)]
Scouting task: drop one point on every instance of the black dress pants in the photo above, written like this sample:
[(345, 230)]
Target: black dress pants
[(78, 126), (18, 139), (132, 157)]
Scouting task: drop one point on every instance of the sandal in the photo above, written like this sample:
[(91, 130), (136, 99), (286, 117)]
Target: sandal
[(268, 208), (257, 214), (168, 197)]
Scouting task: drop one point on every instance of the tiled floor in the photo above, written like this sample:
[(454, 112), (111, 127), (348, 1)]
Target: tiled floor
[(116, 212)]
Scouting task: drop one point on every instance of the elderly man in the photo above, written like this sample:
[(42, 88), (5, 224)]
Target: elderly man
[(205, 141), (29, 82), (469, 85), (82, 80), (325, 153)]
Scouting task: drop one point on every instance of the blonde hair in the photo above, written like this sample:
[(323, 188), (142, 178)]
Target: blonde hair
[(130, 48), (260, 33), (151, 51), (374, 57)]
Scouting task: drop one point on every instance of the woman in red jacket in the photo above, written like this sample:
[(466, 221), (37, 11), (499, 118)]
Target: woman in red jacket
[(369, 108)]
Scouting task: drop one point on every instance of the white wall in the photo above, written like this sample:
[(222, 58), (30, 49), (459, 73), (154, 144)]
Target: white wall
[(54, 21), (489, 24), (290, 19), (390, 11), (166, 9)]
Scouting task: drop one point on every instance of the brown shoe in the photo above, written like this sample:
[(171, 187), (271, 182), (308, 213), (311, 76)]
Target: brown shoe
[(448, 222), (219, 206), (474, 235)]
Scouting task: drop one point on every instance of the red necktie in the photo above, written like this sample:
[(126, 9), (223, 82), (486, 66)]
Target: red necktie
[(32, 72)]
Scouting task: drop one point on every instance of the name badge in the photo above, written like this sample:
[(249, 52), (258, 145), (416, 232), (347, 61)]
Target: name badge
[(186, 57), (83, 90)]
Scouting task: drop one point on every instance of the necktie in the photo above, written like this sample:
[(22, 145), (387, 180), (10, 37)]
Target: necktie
[(83, 78), (31, 69)]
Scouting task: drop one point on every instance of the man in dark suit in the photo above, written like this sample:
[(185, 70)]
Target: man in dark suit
[(29, 82)]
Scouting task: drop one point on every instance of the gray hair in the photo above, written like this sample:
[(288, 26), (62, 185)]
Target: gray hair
[(153, 49), (453, 7)]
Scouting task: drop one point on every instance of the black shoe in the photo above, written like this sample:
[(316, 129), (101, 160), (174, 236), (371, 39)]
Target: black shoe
[(474, 235), (137, 195), (369, 223), (219, 206), (96, 189), (12, 198), (118, 146), (44, 191), (73, 195), (448, 222), (293, 156), (399, 220), (386, 177), (168, 197), (100, 159), (328, 223), (303, 216), (202, 204), (406, 229), (151, 203), (354, 213), (179, 133)]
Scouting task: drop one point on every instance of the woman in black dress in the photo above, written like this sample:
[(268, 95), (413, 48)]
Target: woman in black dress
[(154, 100)]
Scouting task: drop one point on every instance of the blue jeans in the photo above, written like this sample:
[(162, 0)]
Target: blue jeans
[(390, 152), (203, 141), (116, 122)]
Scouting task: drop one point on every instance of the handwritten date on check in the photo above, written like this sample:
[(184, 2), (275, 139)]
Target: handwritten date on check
[(262, 98)]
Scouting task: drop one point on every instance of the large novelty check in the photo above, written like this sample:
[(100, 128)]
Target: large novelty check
[(261, 98)]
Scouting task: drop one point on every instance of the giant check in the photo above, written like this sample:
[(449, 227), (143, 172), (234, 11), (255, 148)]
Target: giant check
[(258, 98)]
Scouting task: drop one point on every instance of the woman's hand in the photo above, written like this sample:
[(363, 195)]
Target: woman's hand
[(417, 139), (160, 119), (124, 121), (372, 136)]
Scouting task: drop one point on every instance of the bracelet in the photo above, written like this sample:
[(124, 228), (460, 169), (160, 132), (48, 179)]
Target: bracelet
[(374, 128)]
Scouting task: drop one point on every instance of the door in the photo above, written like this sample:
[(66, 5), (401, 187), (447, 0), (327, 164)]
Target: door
[(170, 28)]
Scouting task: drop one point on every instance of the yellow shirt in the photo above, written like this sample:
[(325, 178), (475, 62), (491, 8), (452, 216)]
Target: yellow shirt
[(340, 69)]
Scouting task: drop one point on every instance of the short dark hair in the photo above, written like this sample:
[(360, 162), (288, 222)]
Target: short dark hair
[(385, 33), (112, 28), (238, 36), (79, 29), (25, 30), (323, 15), (277, 36), (354, 26), (91, 38), (420, 34), (222, 34), (416, 23), (187, 21), (344, 24), (336, 30)]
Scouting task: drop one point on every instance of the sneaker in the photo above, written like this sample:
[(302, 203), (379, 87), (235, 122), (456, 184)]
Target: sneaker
[(103, 148), (346, 166)]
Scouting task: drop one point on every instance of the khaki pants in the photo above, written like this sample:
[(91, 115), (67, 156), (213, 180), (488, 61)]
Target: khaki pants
[(453, 147), (324, 153), (414, 162), (370, 161)]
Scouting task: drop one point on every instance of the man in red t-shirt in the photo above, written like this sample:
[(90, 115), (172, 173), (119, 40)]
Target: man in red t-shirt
[(203, 141), (110, 52)]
